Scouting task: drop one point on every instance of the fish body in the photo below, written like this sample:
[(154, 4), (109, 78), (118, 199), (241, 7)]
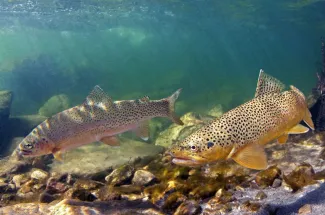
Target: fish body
[(99, 118), (241, 133)]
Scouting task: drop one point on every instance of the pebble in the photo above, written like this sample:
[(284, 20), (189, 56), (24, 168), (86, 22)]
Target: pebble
[(39, 174), (306, 209), (143, 178)]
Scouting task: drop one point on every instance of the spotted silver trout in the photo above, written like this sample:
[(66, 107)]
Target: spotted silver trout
[(99, 118), (241, 133)]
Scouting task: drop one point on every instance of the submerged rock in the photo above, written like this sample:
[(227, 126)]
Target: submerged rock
[(189, 207), (266, 177), (54, 105), (120, 175), (5, 105), (191, 121), (303, 175), (143, 178), (39, 174)]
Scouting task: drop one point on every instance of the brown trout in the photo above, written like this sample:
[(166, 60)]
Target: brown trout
[(241, 133), (99, 118)]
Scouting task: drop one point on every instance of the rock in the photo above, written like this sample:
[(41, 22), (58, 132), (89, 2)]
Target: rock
[(75, 207), (19, 180), (7, 197), (87, 184), (301, 176), (277, 183), (39, 174), (189, 207), (54, 186), (216, 111), (121, 175), (54, 105), (21, 126), (143, 178), (260, 195), (306, 209), (173, 133), (46, 198), (266, 177), (81, 194), (108, 193), (5, 105)]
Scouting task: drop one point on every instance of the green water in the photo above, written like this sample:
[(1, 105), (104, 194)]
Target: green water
[(212, 49)]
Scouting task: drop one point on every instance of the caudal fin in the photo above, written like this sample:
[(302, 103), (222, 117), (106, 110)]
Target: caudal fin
[(171, 113)]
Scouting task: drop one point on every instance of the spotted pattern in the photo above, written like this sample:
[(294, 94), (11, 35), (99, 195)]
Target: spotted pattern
[(98, 115), (260, 120)]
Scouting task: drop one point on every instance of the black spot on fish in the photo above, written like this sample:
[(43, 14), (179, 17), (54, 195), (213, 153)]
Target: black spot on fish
[(210, 144)]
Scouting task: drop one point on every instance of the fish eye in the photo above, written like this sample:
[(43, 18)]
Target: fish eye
[(28, 146)]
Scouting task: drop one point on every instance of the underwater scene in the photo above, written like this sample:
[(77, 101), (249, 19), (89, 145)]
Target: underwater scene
[(196, 107)]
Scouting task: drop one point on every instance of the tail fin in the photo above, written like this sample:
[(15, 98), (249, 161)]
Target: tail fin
[(171, 113)]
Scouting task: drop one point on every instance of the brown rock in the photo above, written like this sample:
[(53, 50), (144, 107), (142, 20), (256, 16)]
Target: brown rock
[(301, 176), (121, 175), (306, 209), (266, 177), (188, 208)]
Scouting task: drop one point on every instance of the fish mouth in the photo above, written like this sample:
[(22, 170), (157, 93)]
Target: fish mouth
[(186, 162), (24, 152)]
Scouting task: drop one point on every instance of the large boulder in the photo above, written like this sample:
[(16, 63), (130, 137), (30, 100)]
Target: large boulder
[(54, 105), (5, 104)]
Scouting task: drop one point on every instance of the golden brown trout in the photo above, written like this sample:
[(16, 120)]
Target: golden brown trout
[(99, 118), (241, 133)]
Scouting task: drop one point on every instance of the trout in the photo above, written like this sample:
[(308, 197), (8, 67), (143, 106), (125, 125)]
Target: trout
[(99, 118), (241, 133)]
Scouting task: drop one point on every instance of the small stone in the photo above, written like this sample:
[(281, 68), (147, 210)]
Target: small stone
[(39, 174), (301, 176), (252, 206), (46, 198), (277, 183), (188, 208), (121, 175), (260, 195), (306, 209), (107, 193), (266, 177), (19, 180), (53, 186), (7, 197), (87, 184), (143, 178)]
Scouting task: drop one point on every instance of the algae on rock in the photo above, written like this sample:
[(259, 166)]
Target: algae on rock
[(54, 105)]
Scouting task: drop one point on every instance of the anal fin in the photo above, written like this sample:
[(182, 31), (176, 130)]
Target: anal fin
[(142, 130), (298, 129), (283, 138), (111, 141), (251, 156)]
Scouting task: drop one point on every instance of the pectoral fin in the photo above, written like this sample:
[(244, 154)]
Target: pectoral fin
[(251, 156), (283, 138), (143, 130), (298, 129), (58, 156), (111, 141), (307, 119)]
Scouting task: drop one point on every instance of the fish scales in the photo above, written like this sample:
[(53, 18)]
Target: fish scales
[(242, 132), (97, 119)]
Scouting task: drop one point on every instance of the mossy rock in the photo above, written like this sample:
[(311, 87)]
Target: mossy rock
[(55, 105)]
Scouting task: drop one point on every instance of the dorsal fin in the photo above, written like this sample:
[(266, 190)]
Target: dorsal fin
[(97, 96), (267, 84)]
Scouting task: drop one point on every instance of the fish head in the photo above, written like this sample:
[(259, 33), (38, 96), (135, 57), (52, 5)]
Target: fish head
[(191, 151), (35, 145)]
